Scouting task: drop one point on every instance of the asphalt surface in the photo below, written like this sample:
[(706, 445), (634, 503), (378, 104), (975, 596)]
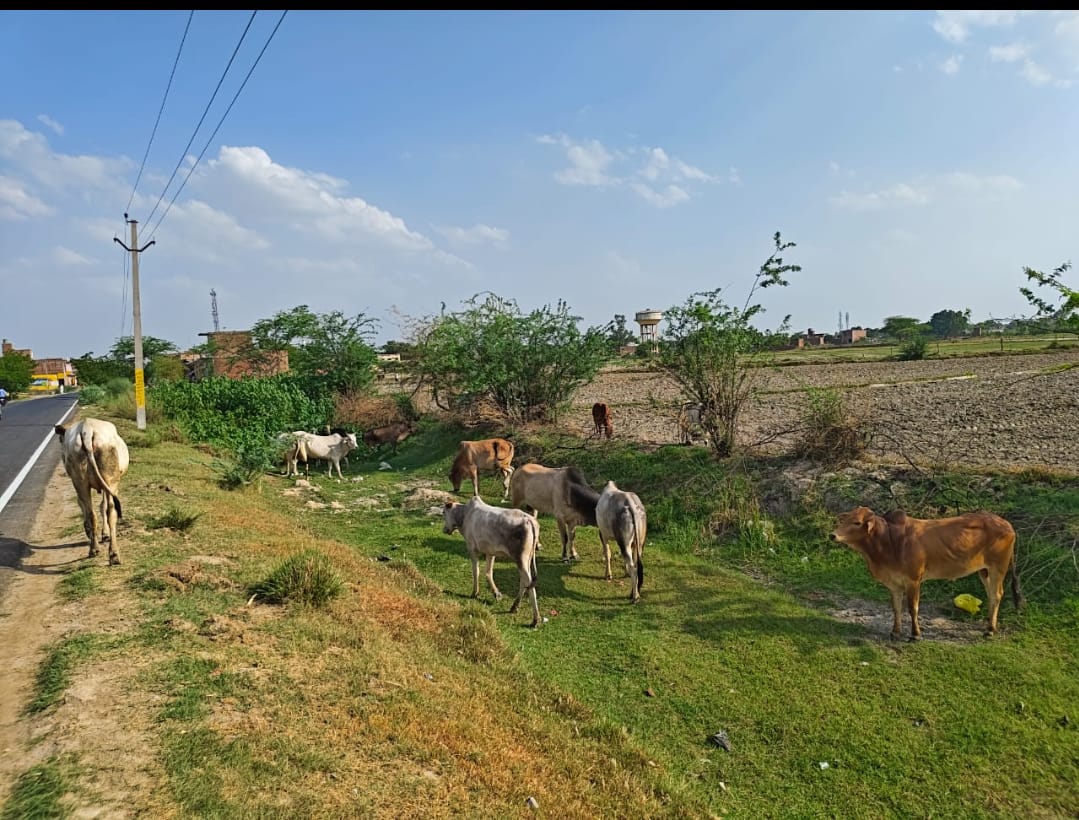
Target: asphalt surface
[(25, 426)]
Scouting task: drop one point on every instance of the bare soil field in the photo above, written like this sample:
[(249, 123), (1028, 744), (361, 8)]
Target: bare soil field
[(1012, 411)]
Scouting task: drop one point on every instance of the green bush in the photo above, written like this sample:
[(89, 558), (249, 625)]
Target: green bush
[(174, 519), (306, 578), (913, 349), (245, 413), (117, 386), (92, 394), (831, 434)]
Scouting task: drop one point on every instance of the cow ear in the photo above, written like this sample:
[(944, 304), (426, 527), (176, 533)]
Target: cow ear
[(871, 525)]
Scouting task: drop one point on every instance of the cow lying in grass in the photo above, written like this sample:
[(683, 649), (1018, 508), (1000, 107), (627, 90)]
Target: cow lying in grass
[(494, 532), (95, 458), (559, 491), (901, 552), (485, 455), (620, 515)]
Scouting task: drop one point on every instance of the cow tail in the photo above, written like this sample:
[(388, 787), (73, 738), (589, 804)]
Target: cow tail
[(1017, 592), (533, 524), (97, 471), (639, 547)]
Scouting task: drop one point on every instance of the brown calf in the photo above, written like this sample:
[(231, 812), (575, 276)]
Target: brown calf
[(601, 419), (901, 552), (486, 455)]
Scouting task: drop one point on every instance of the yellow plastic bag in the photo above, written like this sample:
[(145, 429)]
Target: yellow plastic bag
[(968, 603)]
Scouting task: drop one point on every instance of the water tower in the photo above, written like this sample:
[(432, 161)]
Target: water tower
[(649, 320)]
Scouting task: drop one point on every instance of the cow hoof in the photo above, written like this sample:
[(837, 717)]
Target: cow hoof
[(914, 638), (513, 609), (114, 560)]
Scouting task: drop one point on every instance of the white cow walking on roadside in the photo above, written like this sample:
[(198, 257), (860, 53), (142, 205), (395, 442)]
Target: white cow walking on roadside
[(95, 458)]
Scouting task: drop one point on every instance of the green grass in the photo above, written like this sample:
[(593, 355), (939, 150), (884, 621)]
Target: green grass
[(933, 724), (174, 519), (78, 583), (54, 674), (39, 792), (313, 710)]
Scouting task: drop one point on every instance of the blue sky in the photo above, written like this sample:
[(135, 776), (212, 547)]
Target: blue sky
[(385, 163)]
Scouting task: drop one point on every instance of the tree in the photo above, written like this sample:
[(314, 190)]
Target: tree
[(527, 365), (120, 360), (330, 349), (1065, 314), (899, 327), (16, 371), (947, 324), (711, 350), (618, 334)]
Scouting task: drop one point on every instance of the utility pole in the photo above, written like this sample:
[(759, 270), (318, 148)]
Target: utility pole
[(140, 383)]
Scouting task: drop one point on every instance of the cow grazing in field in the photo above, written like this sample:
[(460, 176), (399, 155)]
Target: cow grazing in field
[(95, 458), (306, 445), (901, 552), (495, 532), (563, 492), (620, 515), (601, 420), (689, 423), (485, 455), (392, 434)]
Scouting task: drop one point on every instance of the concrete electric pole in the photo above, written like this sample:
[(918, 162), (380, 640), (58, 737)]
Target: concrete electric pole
[(140, 383)]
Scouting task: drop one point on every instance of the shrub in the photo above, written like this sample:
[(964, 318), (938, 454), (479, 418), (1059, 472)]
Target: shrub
[(830, 431), (363, 411), (306, 578), (92, 394), (913, 349), (174, 519), (250, 460), (117, 386)]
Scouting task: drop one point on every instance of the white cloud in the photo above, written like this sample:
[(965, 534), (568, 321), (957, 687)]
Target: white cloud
[(952, 64), (663, 198), (49, 122), (955, 26), (733, 176), (66, 256), (658, 177), (87, 175), (924, 190), (1035, 74), (1009, 53), (18, 203), (476, 235)]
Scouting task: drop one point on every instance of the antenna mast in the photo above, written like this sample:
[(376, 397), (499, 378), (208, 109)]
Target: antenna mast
[(213, 305)]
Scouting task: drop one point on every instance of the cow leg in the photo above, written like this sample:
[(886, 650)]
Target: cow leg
[(606, 558), (571, 538), (89, 518), (913, 594), (564, 537), (475, 481), (527, 584), (114, 552), (897, 611), (475, 576), (506, 482), (491, 577), (994, 591)]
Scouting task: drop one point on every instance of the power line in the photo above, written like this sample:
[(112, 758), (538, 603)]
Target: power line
[(203, 117), (191, 170), (161, 109)]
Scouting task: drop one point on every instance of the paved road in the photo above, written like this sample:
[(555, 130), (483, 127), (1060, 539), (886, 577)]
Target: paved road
[(24, 428)]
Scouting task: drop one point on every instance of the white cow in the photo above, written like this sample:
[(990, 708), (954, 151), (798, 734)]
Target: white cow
[(621, 516), (95, 458), (306, 445), (497, 532)]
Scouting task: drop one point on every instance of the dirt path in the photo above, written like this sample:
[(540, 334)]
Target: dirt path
[(102, 720)]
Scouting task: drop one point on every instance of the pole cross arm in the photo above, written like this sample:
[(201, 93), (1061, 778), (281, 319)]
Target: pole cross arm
[(117, 240)]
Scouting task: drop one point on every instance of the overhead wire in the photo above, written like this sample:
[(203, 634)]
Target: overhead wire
[(221, 122), (194, 133), (153, 133)]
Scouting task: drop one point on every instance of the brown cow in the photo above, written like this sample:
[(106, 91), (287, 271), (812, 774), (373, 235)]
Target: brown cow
[(392, 434), (601, 419), (901, 552), (489, 454)]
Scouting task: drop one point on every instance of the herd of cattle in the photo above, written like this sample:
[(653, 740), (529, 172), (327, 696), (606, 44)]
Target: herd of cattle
[(900, 551)]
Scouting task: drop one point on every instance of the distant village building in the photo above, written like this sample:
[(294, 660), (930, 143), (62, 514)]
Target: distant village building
[(813, 339), (49, 374), (851, 335), (233, 356)]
